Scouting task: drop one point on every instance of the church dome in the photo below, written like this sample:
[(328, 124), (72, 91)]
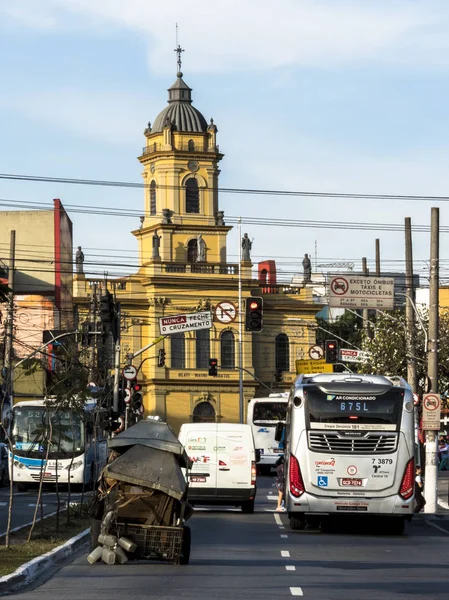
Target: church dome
[(180, 113)]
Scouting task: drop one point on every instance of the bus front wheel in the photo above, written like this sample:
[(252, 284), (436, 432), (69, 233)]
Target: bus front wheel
[(298, 523)]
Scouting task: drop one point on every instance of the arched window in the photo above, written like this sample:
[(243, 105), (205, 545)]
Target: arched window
[(191, 145), (192, 251), (204, 412), (227, 350), (192, 196), (153, 198), (282, 353), (178, 351), (202, 348)]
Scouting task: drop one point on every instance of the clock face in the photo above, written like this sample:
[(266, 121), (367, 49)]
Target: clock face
[(152, 168), (193, 165)]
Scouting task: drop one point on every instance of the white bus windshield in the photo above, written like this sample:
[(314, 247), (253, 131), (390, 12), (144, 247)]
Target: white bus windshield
[(31, 432), (269, 413), (354, 408)]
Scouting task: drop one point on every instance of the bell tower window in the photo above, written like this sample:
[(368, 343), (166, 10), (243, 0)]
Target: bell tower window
[(191, 145), (153, 198), (192, 196)]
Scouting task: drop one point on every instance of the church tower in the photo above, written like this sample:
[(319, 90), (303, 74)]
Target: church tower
[(182, 222)]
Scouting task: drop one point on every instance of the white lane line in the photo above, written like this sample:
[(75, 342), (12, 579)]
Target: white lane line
[(35, 504), (284, 535), (437, 526), (296, 591), (3, 504), (281, 527), (285, 554), (290, 568), (272, 497), (443, 504), (277, 518)]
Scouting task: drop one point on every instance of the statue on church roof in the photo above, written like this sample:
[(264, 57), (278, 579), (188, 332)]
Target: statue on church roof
[(156, 245), (307, 266), (201, 245), (79, 259), (246, 247)]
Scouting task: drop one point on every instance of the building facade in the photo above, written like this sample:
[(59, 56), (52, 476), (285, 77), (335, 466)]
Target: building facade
[(184, 268)]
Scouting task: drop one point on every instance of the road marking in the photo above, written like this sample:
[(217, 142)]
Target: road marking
[(34, 504), (284, 535), (296, 591), (285, 554), (277, 518), (290, 568), (437, 526), (272, 497), (443, 504), (3, 504)]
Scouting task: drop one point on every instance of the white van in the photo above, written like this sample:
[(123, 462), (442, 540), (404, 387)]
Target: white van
[(224, 463)]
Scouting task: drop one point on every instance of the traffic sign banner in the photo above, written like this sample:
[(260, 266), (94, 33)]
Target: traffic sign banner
[(358, 291), (355, 356), (225, 312), (307, 367), (129, 372), (189, 322), (431, 412)]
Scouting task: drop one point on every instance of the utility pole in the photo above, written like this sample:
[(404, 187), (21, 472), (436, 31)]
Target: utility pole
[(241, 410), (431, 473), (377, 258), (365, 310), (9, 325), (116, 393), (409, 309), (93, 320)]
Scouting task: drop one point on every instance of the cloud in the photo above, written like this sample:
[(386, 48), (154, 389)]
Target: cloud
[(244, 34)]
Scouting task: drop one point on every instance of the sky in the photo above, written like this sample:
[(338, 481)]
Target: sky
[(344, 96)]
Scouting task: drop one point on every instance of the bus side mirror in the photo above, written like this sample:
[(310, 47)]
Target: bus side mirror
[(279, 432), (257, 455)]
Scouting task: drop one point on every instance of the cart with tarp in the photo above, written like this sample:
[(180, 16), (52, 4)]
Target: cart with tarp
[(142, 498)]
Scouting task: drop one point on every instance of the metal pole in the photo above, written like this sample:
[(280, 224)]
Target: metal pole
[(9, 325), (93, 320), (431, 472), (241, 411), (409, 309), (365, 310), (115, 406)]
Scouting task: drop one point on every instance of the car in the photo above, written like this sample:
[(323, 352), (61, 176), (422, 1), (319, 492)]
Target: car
[(3, 464)]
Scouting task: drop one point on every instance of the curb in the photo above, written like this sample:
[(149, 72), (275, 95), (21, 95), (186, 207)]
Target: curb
[(29, 571)]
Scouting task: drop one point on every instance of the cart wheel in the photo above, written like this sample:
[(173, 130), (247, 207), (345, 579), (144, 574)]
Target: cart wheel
[(185, 548)]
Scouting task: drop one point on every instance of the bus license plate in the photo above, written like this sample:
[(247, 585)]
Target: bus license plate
[(197, 479), (352, 482)]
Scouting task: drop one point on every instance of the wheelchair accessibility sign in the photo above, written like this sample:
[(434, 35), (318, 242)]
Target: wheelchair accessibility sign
[(323, 481)]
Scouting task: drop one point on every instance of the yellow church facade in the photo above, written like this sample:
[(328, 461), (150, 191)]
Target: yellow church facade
[(184, 269)]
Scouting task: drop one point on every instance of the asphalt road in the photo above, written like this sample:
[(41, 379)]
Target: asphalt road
[(236, 556), (24, 505)]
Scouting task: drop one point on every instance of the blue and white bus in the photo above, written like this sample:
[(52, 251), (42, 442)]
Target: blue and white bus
[(77, 449)]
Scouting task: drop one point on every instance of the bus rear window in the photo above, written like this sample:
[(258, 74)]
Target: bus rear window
[(354, 408), (269, 412)]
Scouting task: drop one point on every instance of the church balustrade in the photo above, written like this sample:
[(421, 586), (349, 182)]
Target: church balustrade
[(208, 269), (180, 147)]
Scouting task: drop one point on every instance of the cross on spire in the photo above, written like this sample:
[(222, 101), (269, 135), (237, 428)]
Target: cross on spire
[(178, 50)]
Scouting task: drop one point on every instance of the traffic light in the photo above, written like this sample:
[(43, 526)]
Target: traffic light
[(213, 367), (161, 358), (331, 351), (136, 399), (254, 314), (107, 308), (87, 339)]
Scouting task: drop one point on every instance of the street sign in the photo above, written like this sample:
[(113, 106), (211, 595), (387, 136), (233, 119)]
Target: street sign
[(355, 356), (316, 352), (127, 397), (307, 367), (358, 291), (189, 322), (225, 312), (431, 412), (129, 372)]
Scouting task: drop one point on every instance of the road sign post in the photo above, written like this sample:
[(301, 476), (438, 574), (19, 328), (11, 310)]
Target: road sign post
[(431, 412)]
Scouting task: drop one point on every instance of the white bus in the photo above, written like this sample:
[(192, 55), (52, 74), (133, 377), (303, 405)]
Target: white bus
[(350, 448), (263, 415), (78, 448)]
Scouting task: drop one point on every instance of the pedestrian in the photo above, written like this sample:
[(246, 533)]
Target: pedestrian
[(280, 483), (419, 498)]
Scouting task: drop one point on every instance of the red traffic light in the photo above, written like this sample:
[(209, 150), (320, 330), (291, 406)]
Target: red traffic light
[(331, 345), (254, 305), (137, 387), (213, 362)]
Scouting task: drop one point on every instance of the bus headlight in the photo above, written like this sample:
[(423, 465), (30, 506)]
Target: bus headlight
[(20, 465), (75, 465)]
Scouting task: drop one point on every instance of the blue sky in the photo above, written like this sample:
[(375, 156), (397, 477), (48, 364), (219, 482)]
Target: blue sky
[(323, 95)]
